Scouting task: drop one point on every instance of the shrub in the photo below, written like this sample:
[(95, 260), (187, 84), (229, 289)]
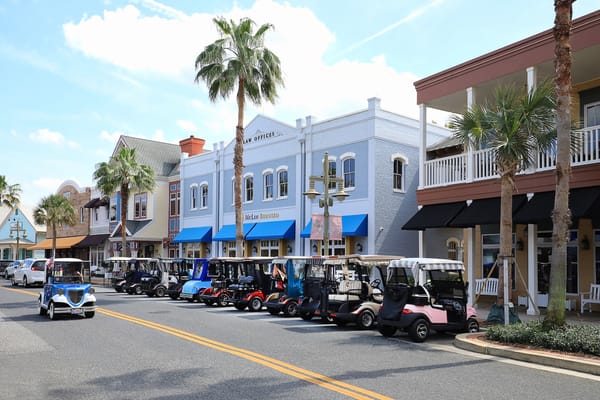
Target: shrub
[(569, 338)]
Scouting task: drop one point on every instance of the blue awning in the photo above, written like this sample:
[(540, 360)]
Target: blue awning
[(227, 232), (200, 234), (352, 225), (273, 230)]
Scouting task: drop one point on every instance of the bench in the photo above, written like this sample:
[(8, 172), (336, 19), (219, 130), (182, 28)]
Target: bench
[(347, 291), (487, 287), (591, 297)]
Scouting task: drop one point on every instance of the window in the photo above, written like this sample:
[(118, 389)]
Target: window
[(174, 204), (269, 248), (268, 186), (81, 215), (140, 200), (348, 171), (398, 172), (194, 197), (282, 178), (336, 247), (204, 196), (454, 249), (592, 114), (332, 173), (95, 214), (544, 259), (248, 188)]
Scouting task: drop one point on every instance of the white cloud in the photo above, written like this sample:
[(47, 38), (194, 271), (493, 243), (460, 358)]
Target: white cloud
[(187, 126), (47, 184), (110, 137), (45, 135)]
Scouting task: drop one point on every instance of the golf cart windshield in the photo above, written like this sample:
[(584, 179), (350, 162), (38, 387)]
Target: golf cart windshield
[(67, 272)]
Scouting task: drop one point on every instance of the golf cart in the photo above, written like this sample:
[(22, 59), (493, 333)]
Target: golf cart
[(358, 300), (223, 272), (159, 280), (292, 273), (64, 291), (118, 271), (254, 284), (199, 280), (422, 294), (141, 268), (319, 282), (182, 269)]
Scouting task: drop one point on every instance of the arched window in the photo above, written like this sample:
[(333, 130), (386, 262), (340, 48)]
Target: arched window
[(454, 249), (399, 168), (204, 195), (349, 170), (282, 182), (248, 188), (268, 185), (194, 196)]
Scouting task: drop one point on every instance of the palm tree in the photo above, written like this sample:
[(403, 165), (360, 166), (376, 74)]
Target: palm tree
[(124, 173), (239, 58), (9, 194), (53, 211), (515, 127), (561, 216)]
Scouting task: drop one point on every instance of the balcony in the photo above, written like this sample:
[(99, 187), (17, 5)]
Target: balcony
[(480, 165)]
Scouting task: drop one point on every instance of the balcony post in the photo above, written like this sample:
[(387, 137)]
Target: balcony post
[(470, 163), (422, 143)]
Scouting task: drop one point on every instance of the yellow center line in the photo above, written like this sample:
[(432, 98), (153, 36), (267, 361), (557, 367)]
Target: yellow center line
[(326, 382)]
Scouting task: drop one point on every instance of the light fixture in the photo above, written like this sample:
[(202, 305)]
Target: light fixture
[(314, 248), (224, 249), (289, 249), (585, 243), (254, 249), (520, 245), (207, 249), (359, 247)]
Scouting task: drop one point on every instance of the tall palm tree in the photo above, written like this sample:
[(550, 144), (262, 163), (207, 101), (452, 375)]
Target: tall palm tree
[(9, 194), (239, 59), (561, 216), (516, 126), (122, 172), (53, 211)]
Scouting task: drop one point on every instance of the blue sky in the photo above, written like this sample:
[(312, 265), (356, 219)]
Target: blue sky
[(77, 74)]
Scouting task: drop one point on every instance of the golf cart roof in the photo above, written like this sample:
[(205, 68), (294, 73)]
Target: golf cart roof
[(427, 264)]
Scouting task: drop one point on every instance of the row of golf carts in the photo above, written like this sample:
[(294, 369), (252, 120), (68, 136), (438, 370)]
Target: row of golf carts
[(415, 295)]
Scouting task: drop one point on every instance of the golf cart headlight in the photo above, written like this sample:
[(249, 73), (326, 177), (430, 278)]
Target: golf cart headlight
[(60, 291), (92, 290)]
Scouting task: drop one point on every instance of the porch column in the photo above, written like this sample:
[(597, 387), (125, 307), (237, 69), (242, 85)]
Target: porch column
[(470, 234), (531, 84), (422, 144), (421, 243), (470, 163), (532, 267)]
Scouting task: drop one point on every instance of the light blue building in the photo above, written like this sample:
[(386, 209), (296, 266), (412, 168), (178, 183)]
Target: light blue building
[(18, 232), (374, 151)]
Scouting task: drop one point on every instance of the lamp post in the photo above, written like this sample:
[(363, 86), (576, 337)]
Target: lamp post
[(21, 233), (326, 201)]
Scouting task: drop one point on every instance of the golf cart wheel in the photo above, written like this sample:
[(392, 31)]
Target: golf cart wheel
[(419, 330), (307, 316), (327, 319), (291, 309), (223, 300), (387, 330), (239, 306), (174, 296), (138, 290), (160, 291), (472, 325), (90, 314), (209, 302), (51, 314), (41, 310), (366, 319), (255, 304)]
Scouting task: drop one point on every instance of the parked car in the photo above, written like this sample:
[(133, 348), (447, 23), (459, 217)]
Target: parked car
[(64, 291), (3, 265), (10, 270), (31, 272), (424, 294)]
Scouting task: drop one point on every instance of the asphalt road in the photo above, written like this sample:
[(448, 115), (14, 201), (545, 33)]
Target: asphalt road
[(146, 348)]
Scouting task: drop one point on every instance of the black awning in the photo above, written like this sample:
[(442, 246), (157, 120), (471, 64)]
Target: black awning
[(485, 212), (92, 203), (583, 203), (92, 240), (434, 216)]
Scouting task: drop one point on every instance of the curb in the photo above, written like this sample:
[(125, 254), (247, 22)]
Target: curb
[(472, 342)]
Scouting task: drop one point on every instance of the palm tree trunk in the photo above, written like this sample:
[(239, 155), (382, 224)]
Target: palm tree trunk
[(506, 192), (53, 240), (124, 202), (238, 165), (561, 216)]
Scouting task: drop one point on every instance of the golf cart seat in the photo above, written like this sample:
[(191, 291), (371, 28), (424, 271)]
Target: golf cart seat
[(347, 290)]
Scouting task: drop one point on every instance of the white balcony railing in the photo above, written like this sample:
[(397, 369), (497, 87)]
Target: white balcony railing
[(455, 169)]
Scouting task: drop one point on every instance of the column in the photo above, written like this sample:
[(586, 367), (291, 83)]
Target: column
[(532, 267), (422, 143), (470, 163), (470, 234)]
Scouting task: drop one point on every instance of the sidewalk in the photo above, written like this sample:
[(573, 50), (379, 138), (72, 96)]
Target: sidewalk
[(474, 342)]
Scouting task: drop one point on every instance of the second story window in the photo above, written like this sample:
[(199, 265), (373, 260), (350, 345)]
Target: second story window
[(332, 173), (268, 186), (204, 196), (348, 171), (174, 204), (398, 173), (141, 201), (194, 197), (248, 188), (282, 177)]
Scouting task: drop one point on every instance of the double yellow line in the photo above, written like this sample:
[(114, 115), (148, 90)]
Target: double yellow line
[(326, 382), (323, 381)]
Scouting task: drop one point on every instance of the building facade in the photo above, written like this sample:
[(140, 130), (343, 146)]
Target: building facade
[(458, 192), (373, 151)]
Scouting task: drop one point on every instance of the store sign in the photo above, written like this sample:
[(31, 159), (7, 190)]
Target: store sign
[(260, 216), (261, 136)]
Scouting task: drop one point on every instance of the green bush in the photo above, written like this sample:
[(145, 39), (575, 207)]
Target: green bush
[(569, 338)]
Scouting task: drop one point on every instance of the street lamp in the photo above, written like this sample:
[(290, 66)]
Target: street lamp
[(326, 201), (21, 233)]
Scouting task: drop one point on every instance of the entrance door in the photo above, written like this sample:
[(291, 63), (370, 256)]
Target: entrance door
[(544, 261)]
